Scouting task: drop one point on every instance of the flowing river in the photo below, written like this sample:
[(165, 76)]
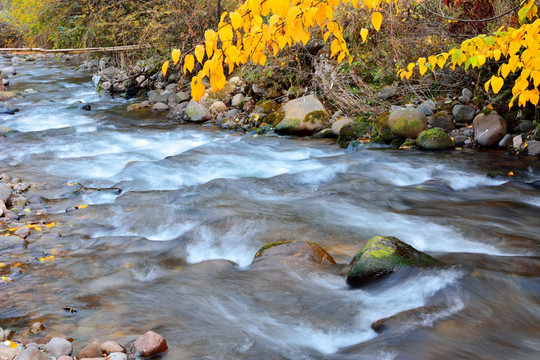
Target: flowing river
[(173, 251)]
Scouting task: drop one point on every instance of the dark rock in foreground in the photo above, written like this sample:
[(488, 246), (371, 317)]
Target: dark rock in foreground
[(382, 256)]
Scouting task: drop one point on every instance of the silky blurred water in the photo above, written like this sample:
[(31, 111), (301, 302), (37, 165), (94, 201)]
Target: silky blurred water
[(173, 252)]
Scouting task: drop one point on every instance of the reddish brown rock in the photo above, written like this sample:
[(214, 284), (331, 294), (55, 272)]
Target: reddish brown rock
[(65, 357), (150, 344), (112, 347), (296, 250), (92, 350)]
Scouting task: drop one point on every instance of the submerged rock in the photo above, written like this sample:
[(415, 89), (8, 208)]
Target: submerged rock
[(383, 255), (434, 139), (297, 250), (58, 346), (303, 116), (407, 123)]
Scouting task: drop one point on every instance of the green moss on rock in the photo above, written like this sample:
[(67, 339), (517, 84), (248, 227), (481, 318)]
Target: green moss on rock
[(352, 131), (383, 255), (435, 139)]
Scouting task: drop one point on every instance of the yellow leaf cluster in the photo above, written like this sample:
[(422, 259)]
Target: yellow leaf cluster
[(517, 49), (258, 29)]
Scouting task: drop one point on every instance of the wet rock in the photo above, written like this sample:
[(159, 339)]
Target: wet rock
[(324, 134), (463, 113), (10, 70), (65, 357), (159, 107), (138, 106), (303, 116), (86, 107), (231, 114), (434, 139), (295, 250), (36, 327), (197, 112), (150, 344), (407, 123), (382, 256), (6, 334), (427, 107), (8, 353), (237, 100), (339, 123), (352, 131), (117, 356), (176, 114), (155, 96), (533, 148), (32, 354), (7, 95), (109, 347), (405, 320), (506, 141), (517, 142), (526, 125), (32, 345), (92, 350), (58, 346), (36, 200), (489, 128), (442, 120), (460, 140), (11, 242)]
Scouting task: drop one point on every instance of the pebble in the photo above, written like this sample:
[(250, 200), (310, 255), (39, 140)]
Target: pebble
[(23, 233), (32, 354), (506, 141), (36, 327), (9, 353), (92, 350), (5, 192), (109, 347), (10, 242), (150, 344), (116, 356), (517, 142), (65, 357), (58, 347)]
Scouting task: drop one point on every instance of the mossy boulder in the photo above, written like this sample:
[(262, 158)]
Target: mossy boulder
[(303, 116), (382, 128), (197, 112), (298, 251), (435, 139), (352, 131), (383, 255), (407, 123)]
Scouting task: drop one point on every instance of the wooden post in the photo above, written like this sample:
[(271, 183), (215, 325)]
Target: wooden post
[(122, 59)]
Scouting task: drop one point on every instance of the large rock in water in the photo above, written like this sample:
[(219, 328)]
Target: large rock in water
[(197, 112), (303, 116), (296, 250), (383, 255), (489, 128), (407, 123), (434, 139), (150, 344)]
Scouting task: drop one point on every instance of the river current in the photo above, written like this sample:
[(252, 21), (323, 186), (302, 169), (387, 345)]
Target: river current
[(173, 251)]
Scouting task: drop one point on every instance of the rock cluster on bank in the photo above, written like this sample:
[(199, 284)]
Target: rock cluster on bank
[(144, 346)]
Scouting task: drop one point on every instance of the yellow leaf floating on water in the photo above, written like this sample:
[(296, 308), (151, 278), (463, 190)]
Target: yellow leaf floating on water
[(51, 224), (81, 206), (511, 173), (46, 258)]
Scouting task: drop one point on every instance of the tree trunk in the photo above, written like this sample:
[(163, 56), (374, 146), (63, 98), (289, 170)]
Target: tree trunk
[(219, 11), (1, 82)]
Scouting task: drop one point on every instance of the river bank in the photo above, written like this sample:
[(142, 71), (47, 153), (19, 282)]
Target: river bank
[(156, 226)]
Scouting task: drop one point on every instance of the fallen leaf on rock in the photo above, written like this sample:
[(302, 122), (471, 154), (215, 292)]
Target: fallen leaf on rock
[(46, 258)]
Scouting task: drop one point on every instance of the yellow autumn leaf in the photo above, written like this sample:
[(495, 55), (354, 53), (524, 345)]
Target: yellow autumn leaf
[(164, 68), (364, 34), (376, 20), (236, 20), (189, 63), (175, 56), (280, 7), (199, 53), (82, 206), (496, 83)]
